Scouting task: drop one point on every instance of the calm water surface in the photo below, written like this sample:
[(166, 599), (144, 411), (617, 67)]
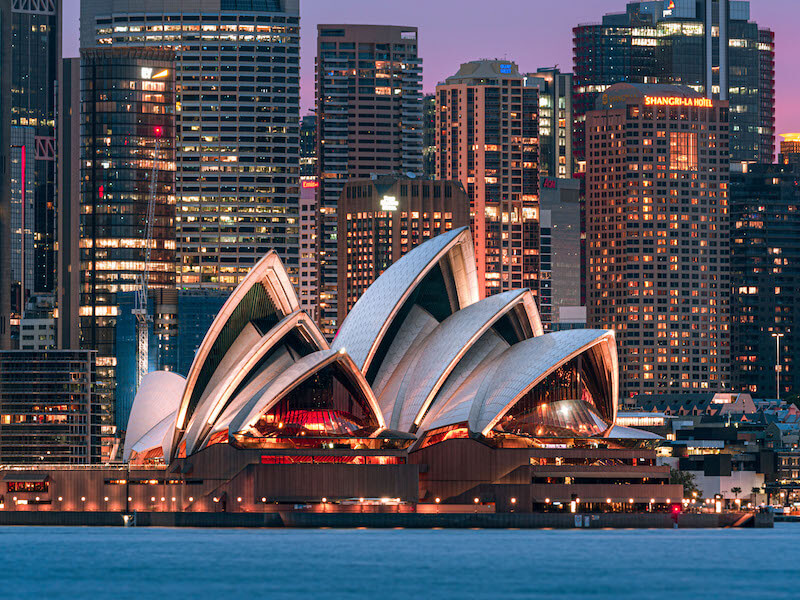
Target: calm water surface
[(143, 563)]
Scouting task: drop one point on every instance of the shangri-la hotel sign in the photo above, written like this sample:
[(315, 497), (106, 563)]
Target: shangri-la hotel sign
[(677, 101)]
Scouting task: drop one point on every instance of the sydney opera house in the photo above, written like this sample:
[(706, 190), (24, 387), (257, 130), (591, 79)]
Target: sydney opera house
[(427, 394)]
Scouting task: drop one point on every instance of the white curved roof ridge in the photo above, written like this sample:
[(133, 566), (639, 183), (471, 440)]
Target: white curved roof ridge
[(532, 311), (442, 351), (368, 321), (412, 333), (455, 399), (210, 406), (279, 362), (527, 363), (294, 376), (158, 397), (157, 437), (268, 272)]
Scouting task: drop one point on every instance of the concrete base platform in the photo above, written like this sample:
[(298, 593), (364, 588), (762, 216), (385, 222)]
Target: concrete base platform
[(391, 520)]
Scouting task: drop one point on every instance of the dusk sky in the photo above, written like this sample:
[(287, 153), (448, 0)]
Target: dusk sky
[(533, 33)]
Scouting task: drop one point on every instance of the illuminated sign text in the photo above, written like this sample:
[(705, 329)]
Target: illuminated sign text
[(389, 203), (677, 101)]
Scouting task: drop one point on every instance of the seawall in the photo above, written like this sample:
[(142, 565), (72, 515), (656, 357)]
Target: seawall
[(390, 520)]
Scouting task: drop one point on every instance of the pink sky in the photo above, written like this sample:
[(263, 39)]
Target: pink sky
[(533, 33)]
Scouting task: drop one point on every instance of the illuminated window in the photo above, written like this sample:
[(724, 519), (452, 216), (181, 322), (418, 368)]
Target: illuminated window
[(682, 151)]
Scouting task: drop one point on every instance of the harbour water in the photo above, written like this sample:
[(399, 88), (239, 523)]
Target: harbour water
[(142, 563)]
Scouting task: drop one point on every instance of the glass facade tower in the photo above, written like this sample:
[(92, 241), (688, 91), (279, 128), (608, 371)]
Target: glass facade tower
[(765, 271), (127, 123), (238, 111), (708, 45), (35, 55)]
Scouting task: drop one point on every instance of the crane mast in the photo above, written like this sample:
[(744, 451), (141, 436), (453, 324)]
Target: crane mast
[(143, 316)]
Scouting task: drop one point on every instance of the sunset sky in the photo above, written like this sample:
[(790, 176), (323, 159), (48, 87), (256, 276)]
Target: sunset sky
[(533, 33)]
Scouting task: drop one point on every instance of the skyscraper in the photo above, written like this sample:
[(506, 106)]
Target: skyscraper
[(309, 269), (765, 271), (560, 299), (657, 235), (383, 219), (5, 184), (69, 204), (708, 45), (429, 136), (486, 137), (237, 78), (35, 57), (127, 139), (308, 146), (556, 118), (369, 120)]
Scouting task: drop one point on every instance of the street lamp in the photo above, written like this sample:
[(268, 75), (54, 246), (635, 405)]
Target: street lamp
[(778, 366)]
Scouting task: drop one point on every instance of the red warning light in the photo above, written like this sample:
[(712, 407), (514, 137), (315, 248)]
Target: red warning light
[(157, 131), (100, 191)]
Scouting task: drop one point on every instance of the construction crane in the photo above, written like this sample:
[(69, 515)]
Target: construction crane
[(143, 316)]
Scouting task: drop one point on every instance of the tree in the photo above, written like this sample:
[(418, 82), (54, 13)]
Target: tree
[(756, 490), (736, 491), (686, 479)]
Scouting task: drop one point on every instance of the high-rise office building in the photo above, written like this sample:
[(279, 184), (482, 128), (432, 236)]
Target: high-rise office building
[(369, 119), (69, 204), (658, 235), (556, 119), (35, 58), (790, 149), (5, 168), (708, 45), (237, 77), (127, 123), (309, 268), (47, 408), (765, 276), (383, 219), (560, 299), (308, 146), (486, 138), (429, 136), (196, 312)]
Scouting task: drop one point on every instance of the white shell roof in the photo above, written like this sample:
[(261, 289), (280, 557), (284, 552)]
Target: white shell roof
[(211, 405), (262, 401), (278, 363), (155, 404), (268, 272), (433, 374), (523, 365), (495, 386), (365, 326), (158, 437), (441, 352)]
